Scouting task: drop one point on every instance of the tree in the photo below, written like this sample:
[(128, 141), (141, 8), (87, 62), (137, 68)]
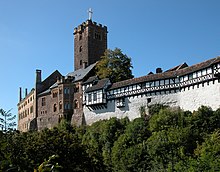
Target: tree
[(7, 120), (114, 65)]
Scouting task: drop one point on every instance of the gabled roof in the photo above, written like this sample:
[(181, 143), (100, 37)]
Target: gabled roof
[(99, 85), (181, 66), (44, 93), (91, 80), (49, 81), (80, 73), (168, 74)]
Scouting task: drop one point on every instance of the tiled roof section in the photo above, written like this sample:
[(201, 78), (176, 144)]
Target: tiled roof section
[(168, 74), (181, 66), (199, 66), (50, 80), (100, 85), (80, 73), (54, 85), (44, 93), (91, 79)]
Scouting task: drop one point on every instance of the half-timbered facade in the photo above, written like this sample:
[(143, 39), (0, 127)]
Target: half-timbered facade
[(185, 87)]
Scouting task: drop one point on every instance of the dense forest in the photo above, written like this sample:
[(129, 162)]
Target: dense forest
[(169, 140)]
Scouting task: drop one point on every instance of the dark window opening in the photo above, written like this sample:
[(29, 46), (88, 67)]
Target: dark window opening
[(43, 101), (90, 98), (95, 96), (97, 36), (80, 37), (55, 107), (80, 49)]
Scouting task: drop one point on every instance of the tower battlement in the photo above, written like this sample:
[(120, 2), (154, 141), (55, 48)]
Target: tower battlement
[(82, 26)]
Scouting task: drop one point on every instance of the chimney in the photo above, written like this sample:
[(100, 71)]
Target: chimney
[(38, 76), (159, 70), (26, 92), (20, 93)]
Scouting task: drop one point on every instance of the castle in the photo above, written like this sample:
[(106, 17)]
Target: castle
[(82, 98)]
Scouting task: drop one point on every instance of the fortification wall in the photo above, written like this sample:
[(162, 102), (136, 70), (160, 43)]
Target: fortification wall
[(207, 94), (189, 98), (131, 108)]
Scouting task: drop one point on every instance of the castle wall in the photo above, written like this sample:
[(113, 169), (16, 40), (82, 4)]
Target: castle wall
[(202, 94), (131, 106)]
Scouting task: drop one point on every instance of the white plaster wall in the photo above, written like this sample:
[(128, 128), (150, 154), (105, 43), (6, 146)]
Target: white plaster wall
[(208, 95), (190, 99), (131, 109)]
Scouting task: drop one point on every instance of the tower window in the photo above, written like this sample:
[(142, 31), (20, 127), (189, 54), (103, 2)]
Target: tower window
[(80, 62), (97, 36), (80, 49), (80, 37), (55, 107)]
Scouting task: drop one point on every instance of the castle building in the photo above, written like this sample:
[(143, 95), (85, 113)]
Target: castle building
[(82, 98), (26, 110), (187, 87), (60, 97)]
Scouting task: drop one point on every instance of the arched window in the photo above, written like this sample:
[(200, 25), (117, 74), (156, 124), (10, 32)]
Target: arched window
[(60, 105), (55, 107), (76, 104), (80, 49)]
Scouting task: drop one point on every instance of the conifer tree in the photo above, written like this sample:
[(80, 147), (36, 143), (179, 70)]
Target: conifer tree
[(7, 120)]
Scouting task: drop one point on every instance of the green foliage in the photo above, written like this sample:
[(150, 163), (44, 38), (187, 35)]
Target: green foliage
[(114, 65), (129, 151), (171, 140), (50, 165)]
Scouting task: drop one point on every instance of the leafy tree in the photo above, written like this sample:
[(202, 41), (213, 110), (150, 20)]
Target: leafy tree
[(7, 120), (99, 140), (50, 165), (129, 152), (114, 65)]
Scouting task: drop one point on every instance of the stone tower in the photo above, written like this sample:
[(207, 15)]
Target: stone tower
[(90, 42)]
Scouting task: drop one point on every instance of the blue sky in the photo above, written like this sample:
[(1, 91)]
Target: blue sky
[(37, 34)]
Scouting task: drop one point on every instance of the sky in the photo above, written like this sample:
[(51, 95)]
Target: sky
[(38, 34)]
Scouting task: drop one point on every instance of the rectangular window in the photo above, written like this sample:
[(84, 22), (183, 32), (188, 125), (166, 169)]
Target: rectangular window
[(89, 97), (157, 83), (98, 36), (95, 96), (66, 90), (54, 94), (43, 101), (161, 82), (31, 109), (60, 90), (190, 76), (120, 102)]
